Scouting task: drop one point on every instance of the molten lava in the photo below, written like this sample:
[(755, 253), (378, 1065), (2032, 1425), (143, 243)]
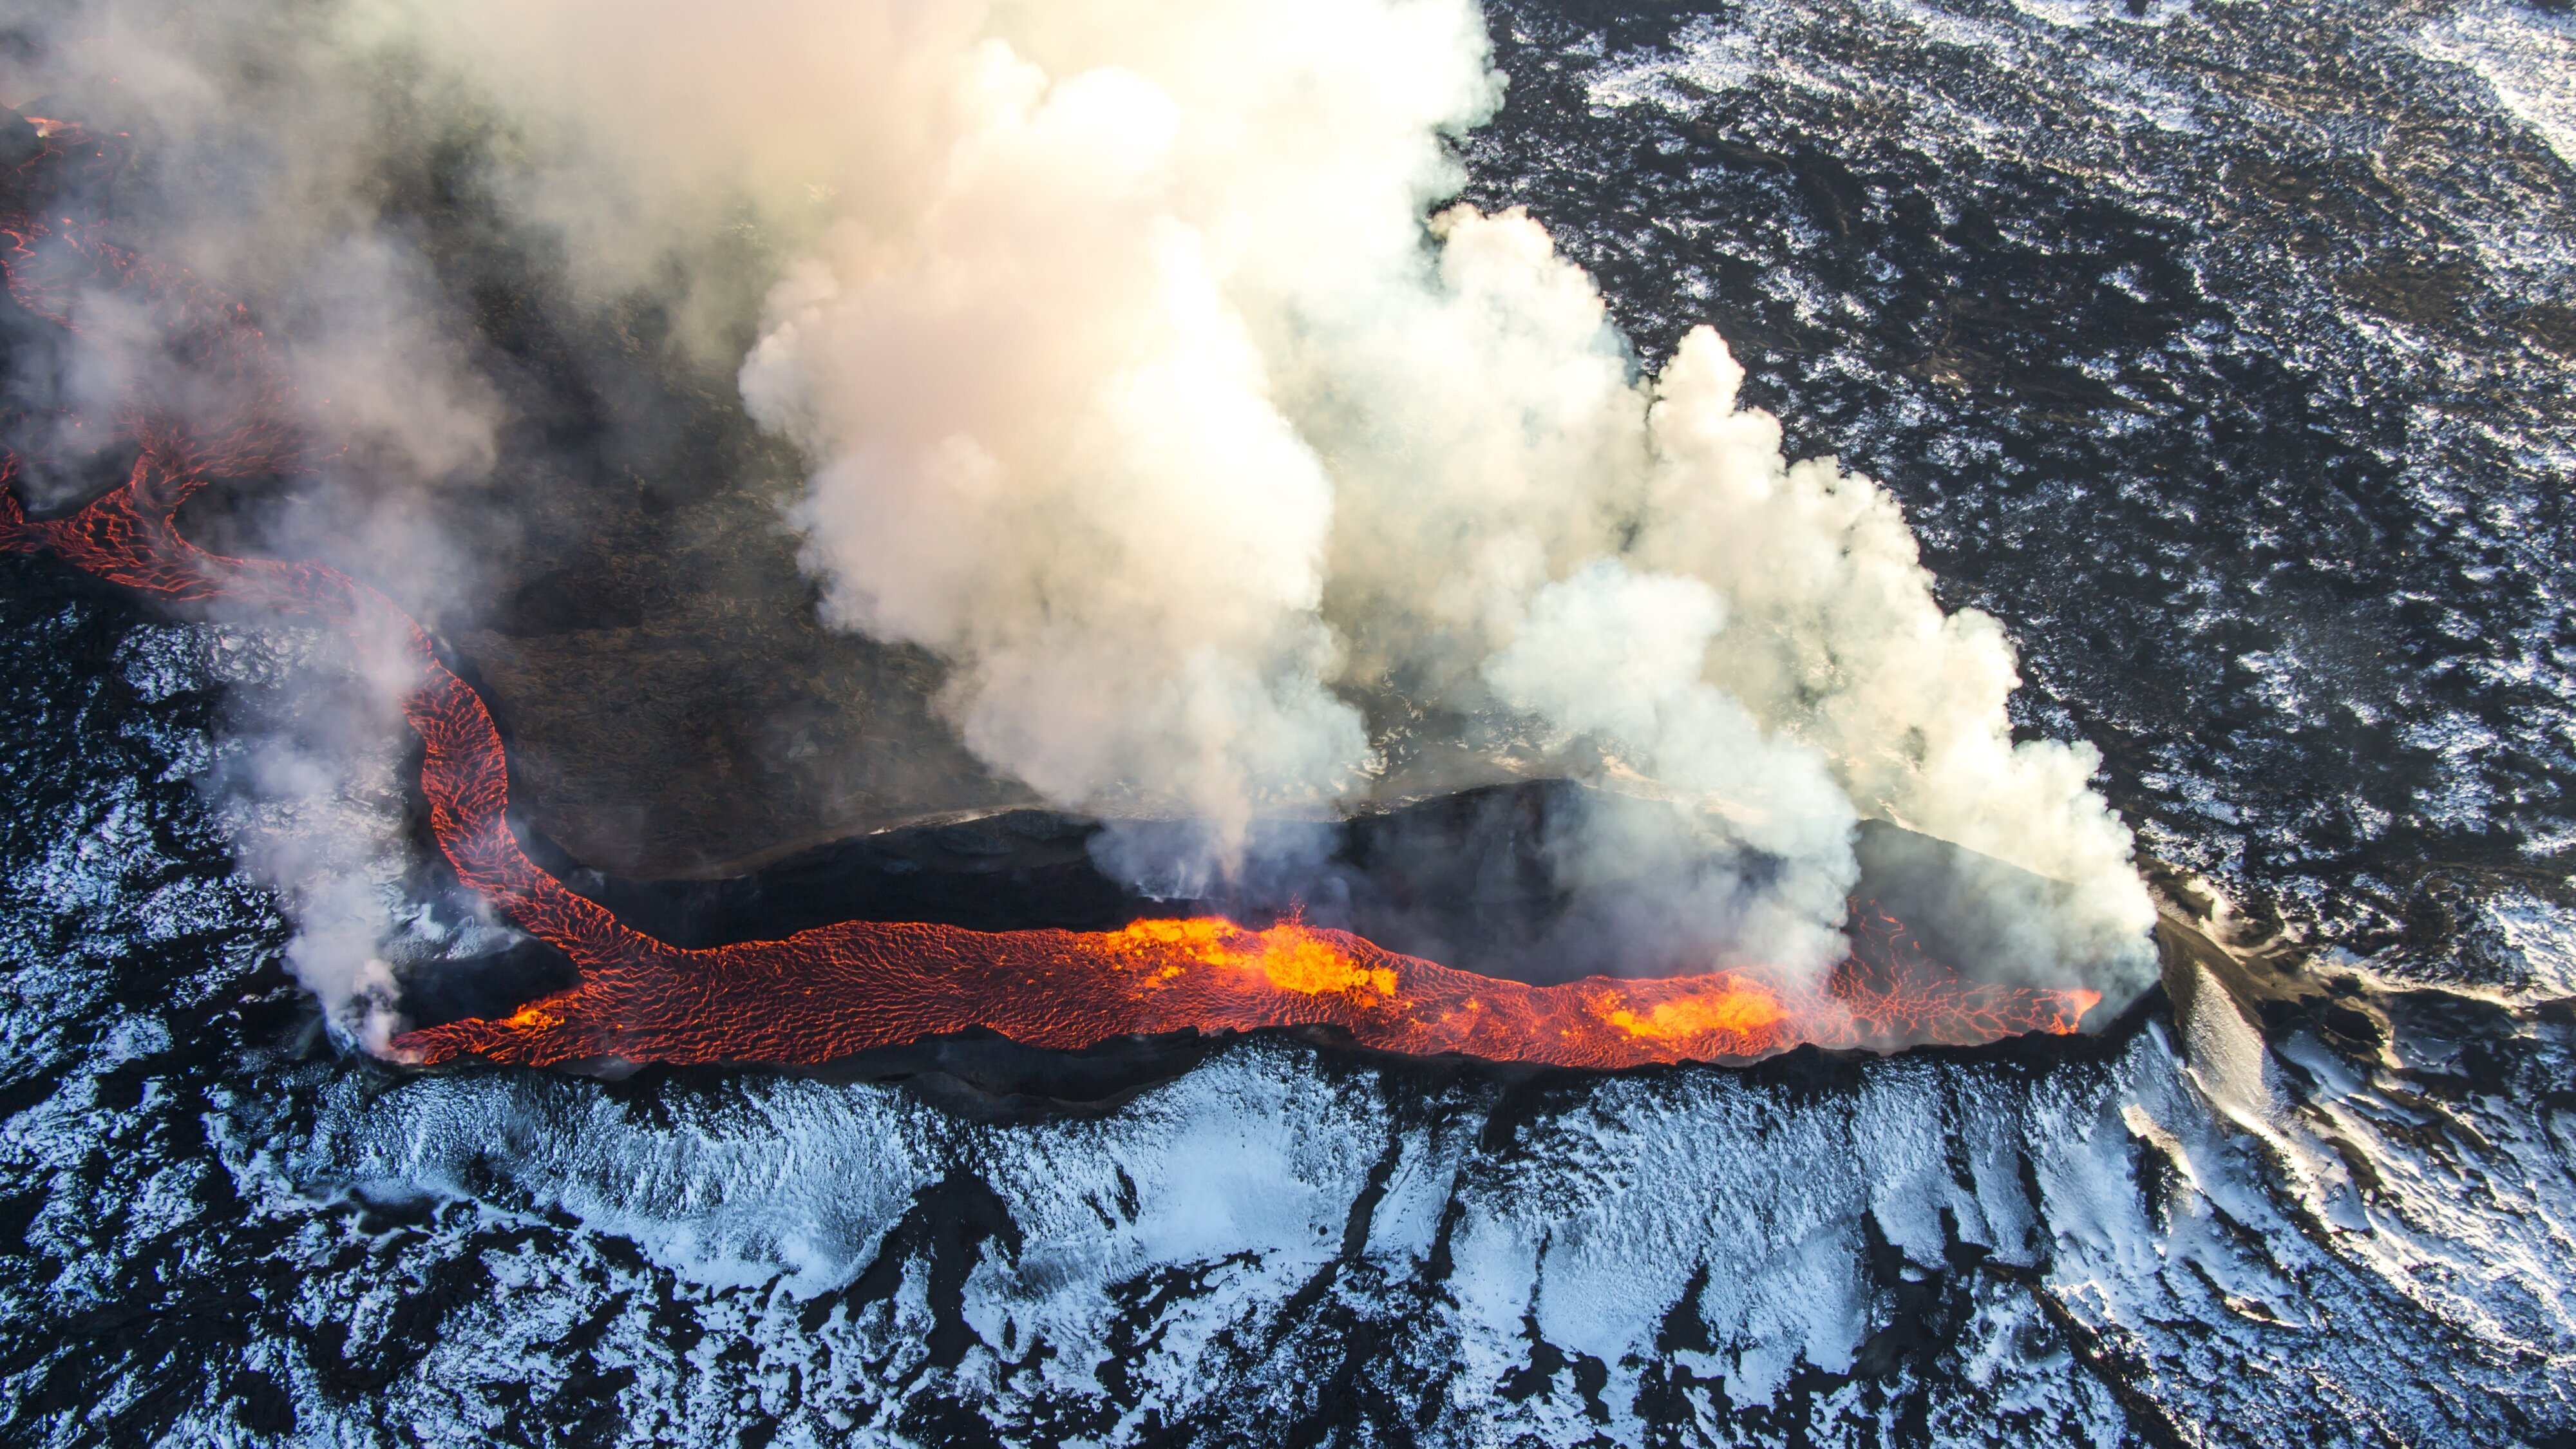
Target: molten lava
[(827, 993)]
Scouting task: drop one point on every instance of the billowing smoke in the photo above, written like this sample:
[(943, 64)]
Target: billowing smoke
[(1144, 376), (1147, 375)]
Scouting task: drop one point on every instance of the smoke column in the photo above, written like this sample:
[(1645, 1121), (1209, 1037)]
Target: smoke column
[(1146, 374), (824, 994)]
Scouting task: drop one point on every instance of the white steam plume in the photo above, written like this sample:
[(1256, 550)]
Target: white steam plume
[(1141, 379), (1144, 376)]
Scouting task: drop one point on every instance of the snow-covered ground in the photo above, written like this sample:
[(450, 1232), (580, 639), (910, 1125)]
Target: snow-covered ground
[(2174, 1233)]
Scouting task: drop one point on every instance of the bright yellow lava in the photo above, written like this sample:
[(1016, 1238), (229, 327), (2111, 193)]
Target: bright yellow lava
[(1292, 957), (1735, 1008)]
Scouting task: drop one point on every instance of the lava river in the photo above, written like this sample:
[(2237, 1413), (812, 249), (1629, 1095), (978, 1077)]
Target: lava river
[(827, 993)]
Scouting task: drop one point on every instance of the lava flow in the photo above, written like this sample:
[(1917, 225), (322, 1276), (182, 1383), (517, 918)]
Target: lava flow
[(827, 993)]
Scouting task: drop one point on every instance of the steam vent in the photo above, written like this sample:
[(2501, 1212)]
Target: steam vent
[(1368, 723)]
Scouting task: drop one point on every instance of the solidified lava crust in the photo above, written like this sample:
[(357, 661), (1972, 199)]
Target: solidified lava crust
[(829, 993)]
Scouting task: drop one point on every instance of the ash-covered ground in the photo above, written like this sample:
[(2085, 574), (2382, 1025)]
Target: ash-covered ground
[(2222, 352)]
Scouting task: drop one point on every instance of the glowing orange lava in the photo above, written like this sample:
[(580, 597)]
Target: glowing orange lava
[(827, 993)]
